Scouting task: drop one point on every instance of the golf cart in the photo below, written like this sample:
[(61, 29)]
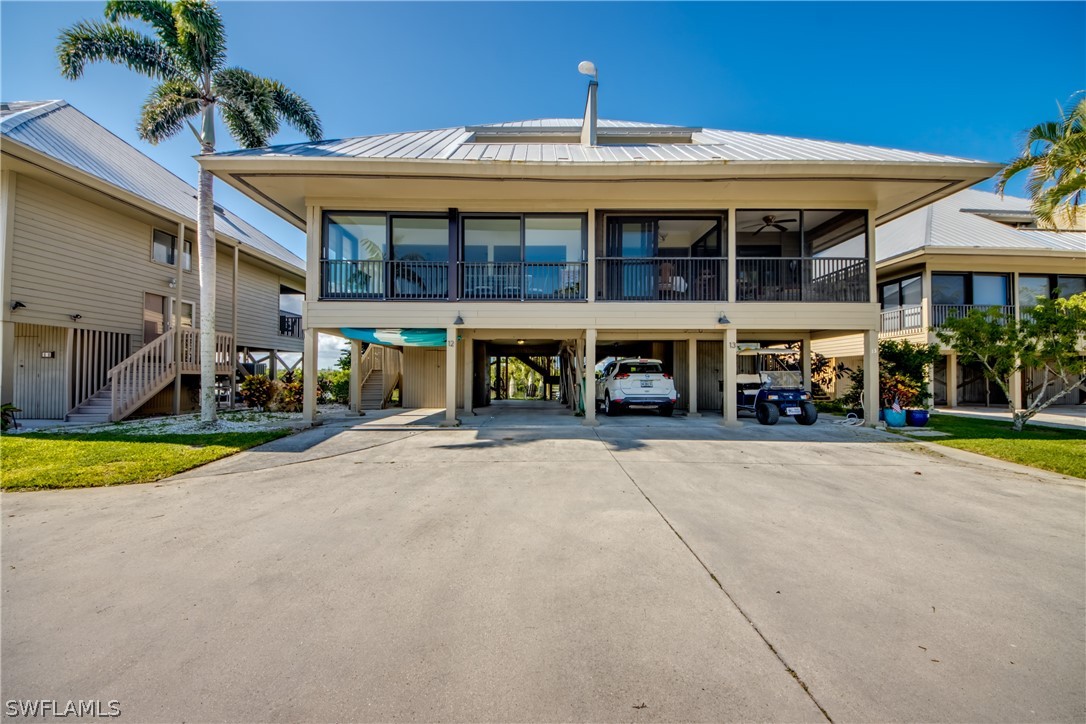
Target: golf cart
[(769, 386)]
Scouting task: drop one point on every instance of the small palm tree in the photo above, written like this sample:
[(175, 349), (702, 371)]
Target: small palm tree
[(187, 54), (1054, 153)]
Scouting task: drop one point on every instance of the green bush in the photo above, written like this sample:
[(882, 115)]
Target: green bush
[(291, 392), (336, 385), (257, 391)]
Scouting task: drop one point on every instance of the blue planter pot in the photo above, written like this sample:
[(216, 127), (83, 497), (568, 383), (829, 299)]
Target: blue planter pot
[(882, 414), (916, 418), (894, 419)]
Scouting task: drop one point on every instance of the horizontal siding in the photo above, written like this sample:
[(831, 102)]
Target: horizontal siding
[(601, 315), (844, 346), (71, 256)]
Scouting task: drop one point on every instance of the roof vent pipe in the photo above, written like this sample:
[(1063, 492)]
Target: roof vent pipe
[(588, 128)]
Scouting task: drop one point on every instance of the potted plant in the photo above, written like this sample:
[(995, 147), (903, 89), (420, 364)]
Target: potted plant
[(898, 392)]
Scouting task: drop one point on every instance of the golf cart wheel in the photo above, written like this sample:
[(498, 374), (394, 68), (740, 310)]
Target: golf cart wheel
[(768, 414), (609, 408), (809, 415), (667, 410)]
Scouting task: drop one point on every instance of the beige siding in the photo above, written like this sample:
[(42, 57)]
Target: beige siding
[(224, 282), (710, 375), (847, 345), (74, 257), (258, 310), (424, 377), (40, 383)]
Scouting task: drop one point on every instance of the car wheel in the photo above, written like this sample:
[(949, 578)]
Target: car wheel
[(667, 410), (768, 414), (609, 408), (809, 415)]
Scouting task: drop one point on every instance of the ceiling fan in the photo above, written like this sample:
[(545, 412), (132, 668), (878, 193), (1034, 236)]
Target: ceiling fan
[(771, 220)]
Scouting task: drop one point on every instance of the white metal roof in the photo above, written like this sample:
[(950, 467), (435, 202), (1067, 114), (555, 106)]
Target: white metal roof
[(704, 146), (964, 221), (60, 131)]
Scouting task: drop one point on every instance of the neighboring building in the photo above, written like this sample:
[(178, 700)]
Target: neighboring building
[(94, 279), (575, 239), (970, 250)]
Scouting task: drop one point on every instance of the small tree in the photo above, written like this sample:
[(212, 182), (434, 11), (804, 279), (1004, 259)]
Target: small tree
[(1050, 337), (911, 361)]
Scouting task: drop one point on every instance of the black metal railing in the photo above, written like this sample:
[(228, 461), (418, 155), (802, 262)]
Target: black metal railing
[(384, 279), (528, 280), (802, 279), (669, 279), (290, 326)]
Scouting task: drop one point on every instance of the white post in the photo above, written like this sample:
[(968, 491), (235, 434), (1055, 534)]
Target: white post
[(356, 384), (309, 376), (871, 377), (589, 381), (952, 379), (590, 258), (178, 344), (469, 372), (234, 332), (733, 263), (450, 378), (578, 374), (692, 377), (805, 352), (730, 418), (7, 322)]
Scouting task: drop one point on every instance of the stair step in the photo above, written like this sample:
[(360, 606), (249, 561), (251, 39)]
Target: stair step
[(87, 417)]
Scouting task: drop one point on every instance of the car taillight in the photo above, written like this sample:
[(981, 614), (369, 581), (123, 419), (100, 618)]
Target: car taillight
[(621, 376), (667, 376)]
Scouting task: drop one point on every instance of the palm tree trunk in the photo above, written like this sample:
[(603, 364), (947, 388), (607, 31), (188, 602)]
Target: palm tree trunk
[(206, 234)]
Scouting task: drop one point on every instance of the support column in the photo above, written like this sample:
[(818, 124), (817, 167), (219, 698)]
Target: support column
[(469, 373), (234, 332), (589, 379), (578, 374), (733, 263), (178, 343), (7, 323), (356, 368), (952, 379), (730, 417), (450, 378), (931, 387), (871, 377), (805, 352), (309, 376), (692, 377), (590, 257)]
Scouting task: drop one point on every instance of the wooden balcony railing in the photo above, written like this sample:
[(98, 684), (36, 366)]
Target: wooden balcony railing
[(802, 279), (902, 320), (941, 312), (669, 279)]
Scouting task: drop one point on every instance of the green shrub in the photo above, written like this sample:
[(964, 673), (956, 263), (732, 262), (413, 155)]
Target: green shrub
[(257, 391), (336, 385), (291, 392)]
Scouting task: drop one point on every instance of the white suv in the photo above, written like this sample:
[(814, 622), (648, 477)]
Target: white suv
[(633, 383)]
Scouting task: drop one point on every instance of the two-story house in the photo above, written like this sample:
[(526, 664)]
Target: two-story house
[(578, 239), (99, 282), (968, 251)]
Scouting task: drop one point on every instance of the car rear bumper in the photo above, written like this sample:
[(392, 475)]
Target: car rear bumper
[(645, 400)]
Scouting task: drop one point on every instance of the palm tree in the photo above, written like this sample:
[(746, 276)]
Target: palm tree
[(187, 55), (1054, 153)]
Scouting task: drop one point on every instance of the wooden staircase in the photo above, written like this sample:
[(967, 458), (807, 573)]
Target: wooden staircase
[(142, 375), (379, 371)]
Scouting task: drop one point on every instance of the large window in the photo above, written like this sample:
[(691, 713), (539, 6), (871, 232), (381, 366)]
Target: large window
[(986, 290), (799, 233), (901, 292), (948, 289), (355, 236), (1034, 287), (164, 250), (523, 256), (991, 290)]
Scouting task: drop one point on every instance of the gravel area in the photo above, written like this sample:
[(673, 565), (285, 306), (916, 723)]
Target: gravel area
[(229, 421)]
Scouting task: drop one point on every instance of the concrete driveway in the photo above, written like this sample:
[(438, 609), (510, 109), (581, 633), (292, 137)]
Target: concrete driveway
[(645, 570)]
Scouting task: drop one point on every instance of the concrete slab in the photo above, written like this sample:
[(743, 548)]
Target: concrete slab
[(378, 568)]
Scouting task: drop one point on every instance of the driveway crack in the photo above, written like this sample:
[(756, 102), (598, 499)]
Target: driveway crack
[(792, 672)]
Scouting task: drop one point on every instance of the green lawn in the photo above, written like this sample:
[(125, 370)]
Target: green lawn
[(1057, 449), (36, 461)]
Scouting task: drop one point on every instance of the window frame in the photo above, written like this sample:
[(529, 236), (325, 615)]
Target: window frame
[(522, 217), (898, 282), (186, 250)]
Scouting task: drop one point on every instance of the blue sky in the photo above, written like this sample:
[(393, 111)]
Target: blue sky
[(939, 77)]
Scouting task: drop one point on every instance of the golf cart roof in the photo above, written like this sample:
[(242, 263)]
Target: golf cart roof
[(767, 351)]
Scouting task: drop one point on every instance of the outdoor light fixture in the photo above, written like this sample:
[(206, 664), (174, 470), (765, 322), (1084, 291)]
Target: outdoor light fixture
[(520, 341), (459, 320), (587, 67), (17, 305), (723, 319), (75, 317), (173, 282)]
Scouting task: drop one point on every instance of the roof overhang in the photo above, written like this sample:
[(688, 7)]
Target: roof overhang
[(31, 162), (286, 184), (916, 256)]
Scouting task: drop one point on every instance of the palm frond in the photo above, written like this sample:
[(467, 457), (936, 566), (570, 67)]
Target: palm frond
[(156, 13), (251, 95), (164, 112), (295, 110), (1061, 199), (242, 125), (92, 42), (200, 34)]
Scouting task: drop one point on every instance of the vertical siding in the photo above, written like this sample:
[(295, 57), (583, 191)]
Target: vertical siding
[(424, 377), (40, 384), (710, 374), (681, 373)]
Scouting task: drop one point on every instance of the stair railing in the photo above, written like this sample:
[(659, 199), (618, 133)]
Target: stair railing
[(147, 369)]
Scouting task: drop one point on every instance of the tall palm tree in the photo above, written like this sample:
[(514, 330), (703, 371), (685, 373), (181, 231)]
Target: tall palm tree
[(187, 55), (1054, 153)]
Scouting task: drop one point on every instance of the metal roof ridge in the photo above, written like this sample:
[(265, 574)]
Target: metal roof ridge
[(20, 117)]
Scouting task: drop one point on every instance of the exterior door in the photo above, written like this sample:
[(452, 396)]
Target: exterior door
[(710, 375), (154, 316)]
